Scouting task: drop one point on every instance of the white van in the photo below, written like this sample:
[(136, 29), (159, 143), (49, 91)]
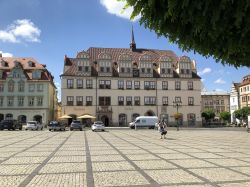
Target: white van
[(144, 121)]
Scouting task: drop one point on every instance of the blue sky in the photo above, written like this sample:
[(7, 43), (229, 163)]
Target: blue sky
[(49, 29)]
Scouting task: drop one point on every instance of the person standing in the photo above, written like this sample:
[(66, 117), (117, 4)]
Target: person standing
[(163, 129)]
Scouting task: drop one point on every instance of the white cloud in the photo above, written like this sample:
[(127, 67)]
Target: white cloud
[(204, 71), (116, 8), (20, 30), (6, 54), (220, 81)]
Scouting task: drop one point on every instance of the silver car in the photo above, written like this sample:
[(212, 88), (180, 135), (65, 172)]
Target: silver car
[(33, 125), (98, 126)]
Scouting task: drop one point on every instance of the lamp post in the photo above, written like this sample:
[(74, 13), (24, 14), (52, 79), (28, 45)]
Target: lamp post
[(177, 105)]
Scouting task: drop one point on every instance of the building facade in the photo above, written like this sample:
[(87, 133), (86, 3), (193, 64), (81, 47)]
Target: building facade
[(118, 84), (27, 91), (244, 92), (234, 101), (216, 101)]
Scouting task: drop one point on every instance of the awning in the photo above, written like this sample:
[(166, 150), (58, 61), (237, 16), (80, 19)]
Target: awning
[(86, 116), (65, 117)]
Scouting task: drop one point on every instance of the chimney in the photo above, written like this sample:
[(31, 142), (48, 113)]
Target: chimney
[(1, 55)]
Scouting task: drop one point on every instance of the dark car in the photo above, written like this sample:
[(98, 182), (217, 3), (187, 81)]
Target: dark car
[(10, 124), (56, 126), (76, 124)]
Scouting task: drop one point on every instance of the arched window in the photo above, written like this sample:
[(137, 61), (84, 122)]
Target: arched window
[(9, 116), (135, 115), (122, 120)]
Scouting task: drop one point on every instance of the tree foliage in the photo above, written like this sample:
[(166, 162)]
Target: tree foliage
[(242, 113), (220, 29), (208, 114), (225, 116)]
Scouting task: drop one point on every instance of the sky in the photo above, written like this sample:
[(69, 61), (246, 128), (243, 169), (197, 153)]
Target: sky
[(49, 29)]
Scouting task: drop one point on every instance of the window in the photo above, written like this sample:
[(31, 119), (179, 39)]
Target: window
[(20, 101), (10, 101), (177, 99), (122, 70), (165, 101), (79, 68), (163, 70), (190, 101), (39, 101), (39, 87), (1, 101), (190, 85), (104, 101), (70, 100), (101, 69), (217, 102), (120, 100), (70, 83), (149, 85), (164, 85), (143, 70), (1, 87), (149, 100), (79, 101), (31, 88), (128, 70), (137, 85), (11, 87), (137, 100), (177, 85), (79, 83), (89, 84), (120, 84), (86, 68), (21, 86), (105, 84), (129, 84), (128, 101), (222, 102), (88, 100), (108, 69), (31, 101)]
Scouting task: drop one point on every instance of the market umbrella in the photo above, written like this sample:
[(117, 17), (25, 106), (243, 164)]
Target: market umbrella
[(65, 117), (86, 116)]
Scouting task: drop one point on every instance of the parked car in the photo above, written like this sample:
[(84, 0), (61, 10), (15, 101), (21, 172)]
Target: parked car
[(56, 126), (144, 121), (98, 126), (33, 125), (10, 124), (76, 124)]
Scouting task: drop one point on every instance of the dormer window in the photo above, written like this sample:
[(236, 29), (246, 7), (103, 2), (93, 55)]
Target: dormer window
[(36, 74), (4, 64), (31, 64)]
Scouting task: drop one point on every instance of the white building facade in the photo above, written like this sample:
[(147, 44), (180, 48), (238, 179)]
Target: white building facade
[(27, 91), (234, 101), (118, 84)]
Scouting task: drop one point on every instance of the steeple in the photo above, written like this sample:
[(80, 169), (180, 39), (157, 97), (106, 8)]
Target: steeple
[(132, 44)]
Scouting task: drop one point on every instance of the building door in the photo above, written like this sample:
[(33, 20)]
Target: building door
[(38, 118), (105, 120)]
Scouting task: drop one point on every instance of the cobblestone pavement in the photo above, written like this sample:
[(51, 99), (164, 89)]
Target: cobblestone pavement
[(187, 158)]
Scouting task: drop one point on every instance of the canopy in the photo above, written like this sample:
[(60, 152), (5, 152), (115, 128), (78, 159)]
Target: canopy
[(65, 117), (86, 116)]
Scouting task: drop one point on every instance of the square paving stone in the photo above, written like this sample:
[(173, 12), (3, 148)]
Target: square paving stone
[(99, 158), (70, 153), (163, 150), (112, 166), (154, 164), (17, 169), (104, 152), (138, 151), (228, 162), (219, 174), (72, 159), (25, 160), (245, 170), (172, 176), (175, 156), (121, 178), (13, 181), (63, 167), (193, 163), (58, 180), (143, 157), (32, 153), (205, 155)]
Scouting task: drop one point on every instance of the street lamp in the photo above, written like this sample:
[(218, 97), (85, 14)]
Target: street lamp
[(177, 105)]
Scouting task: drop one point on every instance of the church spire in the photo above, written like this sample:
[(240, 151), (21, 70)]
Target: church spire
[(132, 44)]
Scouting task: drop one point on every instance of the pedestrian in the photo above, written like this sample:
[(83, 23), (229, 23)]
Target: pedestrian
[(163, 129)]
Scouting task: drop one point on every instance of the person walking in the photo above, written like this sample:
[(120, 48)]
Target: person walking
[(163, 129)]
